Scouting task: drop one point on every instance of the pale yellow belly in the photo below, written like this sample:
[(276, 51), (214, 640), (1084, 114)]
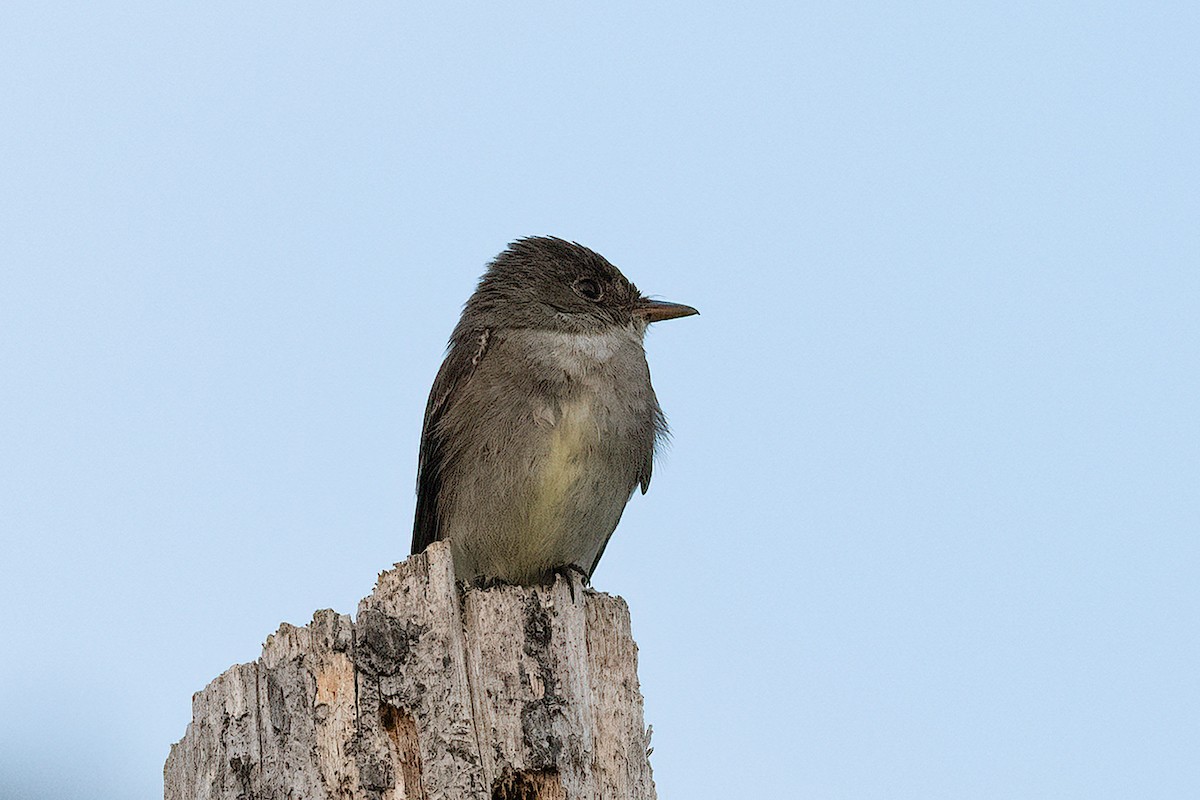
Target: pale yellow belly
[(560, 480), (560, 514)]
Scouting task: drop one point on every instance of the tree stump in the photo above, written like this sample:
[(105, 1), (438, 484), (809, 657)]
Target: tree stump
[(510, 693)]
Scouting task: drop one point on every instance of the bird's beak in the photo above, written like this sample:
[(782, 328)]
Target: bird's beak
[(658, 310)]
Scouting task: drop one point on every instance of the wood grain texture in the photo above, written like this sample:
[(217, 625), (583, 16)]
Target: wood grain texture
[(511, 693)]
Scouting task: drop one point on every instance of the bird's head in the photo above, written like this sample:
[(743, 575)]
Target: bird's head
[(551, 284)]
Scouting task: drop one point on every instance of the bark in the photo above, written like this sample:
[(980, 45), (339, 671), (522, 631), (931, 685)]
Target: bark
[(510, 693)]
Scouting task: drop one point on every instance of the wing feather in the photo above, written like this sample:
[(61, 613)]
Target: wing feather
[(457, 369)]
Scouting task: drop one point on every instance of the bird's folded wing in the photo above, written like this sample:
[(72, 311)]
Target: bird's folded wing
[(456, 370)]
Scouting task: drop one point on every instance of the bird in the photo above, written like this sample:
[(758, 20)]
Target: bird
[(541, 422)]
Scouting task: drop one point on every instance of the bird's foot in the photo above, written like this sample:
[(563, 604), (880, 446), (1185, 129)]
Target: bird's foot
[(485, 582), (569, 572)]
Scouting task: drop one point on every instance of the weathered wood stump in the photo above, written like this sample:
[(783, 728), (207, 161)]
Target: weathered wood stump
[(510, 693)]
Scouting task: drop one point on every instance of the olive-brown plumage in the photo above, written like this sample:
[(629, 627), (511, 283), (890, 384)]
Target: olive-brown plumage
[(542, 420)]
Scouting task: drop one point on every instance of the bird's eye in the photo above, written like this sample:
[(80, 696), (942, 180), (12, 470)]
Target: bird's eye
[(588, 289)]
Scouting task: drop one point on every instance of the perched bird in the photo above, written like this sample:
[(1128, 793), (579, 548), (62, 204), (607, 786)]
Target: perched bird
[(542, 420)]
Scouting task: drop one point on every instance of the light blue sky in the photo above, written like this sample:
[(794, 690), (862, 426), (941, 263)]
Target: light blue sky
[(929, 525)]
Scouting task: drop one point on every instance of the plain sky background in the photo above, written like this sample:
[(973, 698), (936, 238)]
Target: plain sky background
[(930, 525)]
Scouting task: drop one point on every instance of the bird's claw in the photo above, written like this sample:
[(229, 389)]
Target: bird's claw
[(568, 573), (485, 582)]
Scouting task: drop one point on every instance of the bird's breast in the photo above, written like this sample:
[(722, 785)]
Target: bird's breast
[(570, 453), (579, 423)]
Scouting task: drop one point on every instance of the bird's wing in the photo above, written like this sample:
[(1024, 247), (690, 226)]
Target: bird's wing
[(456, 370), (658, 436), (642, 477), (647, 467)]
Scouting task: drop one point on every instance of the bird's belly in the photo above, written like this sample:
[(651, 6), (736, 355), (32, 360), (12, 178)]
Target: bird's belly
[(561, 490), (561, 508)]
